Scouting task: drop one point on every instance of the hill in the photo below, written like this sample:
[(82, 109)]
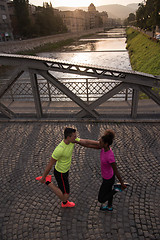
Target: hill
[(117, 10), (133, 6), (113, 10), (63, 8)]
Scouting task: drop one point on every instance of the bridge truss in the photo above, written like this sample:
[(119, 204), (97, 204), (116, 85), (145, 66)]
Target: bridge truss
[(46, 68)]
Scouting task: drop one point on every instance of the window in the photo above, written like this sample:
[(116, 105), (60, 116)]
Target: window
[(2, 7)]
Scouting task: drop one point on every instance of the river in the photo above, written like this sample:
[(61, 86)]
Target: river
[(106, 49)]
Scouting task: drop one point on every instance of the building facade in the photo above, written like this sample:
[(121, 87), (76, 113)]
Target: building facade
[(93, 16), (5, 22), (75, 21), (79, 20), (104, 17)]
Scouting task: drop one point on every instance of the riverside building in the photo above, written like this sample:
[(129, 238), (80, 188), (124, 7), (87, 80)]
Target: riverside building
[(5, 22)]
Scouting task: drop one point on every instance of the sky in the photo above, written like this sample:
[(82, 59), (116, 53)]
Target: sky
[(82, 3)]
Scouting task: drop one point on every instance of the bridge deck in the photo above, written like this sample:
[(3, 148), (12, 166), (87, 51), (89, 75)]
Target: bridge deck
[(31, 211), (146, 108)]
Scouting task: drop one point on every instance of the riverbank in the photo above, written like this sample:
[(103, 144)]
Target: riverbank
[(144, 52), (29, 45)]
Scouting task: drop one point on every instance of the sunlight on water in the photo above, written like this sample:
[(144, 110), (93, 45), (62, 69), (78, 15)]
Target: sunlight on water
[(97, 51), (104, 44), (118, 60)]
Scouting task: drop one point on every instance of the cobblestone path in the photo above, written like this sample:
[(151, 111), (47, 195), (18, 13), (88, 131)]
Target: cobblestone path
[(29, 210)]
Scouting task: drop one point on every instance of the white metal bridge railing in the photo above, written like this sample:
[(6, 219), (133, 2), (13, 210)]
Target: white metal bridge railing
[(102, 83)]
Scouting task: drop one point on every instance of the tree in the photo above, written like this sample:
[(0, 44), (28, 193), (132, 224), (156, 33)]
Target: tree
[(130, 20), (148, 14), (47, 22), (141, 15), (131, 17), (22, 17)]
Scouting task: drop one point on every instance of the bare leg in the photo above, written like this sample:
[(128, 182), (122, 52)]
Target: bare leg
[(58, 192)]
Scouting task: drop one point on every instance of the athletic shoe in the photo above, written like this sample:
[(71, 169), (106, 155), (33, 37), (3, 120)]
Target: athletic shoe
[(68, 204), (106, 208), (118, 187), (48, 178), (125, 183), (38, 178)]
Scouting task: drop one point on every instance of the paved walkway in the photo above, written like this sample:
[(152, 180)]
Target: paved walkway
[(29, 210), (147, 109)]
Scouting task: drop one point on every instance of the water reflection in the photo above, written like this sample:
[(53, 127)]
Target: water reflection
[(102, 52), (107, 44), (117, 60)]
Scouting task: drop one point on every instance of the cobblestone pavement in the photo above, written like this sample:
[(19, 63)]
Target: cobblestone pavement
[(29, 210)]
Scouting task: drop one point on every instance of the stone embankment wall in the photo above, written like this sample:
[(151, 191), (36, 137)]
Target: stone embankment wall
[(29, 44)]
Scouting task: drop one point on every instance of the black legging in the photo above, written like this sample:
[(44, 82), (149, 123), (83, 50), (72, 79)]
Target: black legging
[(106, 192)]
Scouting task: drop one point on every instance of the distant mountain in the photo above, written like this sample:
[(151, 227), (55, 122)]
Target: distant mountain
[(117, 10), (133, 6), (113, 10), (71, 8)]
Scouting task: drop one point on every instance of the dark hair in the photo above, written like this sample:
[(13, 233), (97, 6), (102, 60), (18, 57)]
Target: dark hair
[(108, 136), (68, 132)]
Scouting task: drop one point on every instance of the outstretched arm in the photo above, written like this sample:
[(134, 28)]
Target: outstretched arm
[(116, 172), (88, 143), (47, 170)]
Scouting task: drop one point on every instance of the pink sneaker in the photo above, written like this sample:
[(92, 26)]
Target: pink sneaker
[(68, 204), (38, 178), (48, 178)]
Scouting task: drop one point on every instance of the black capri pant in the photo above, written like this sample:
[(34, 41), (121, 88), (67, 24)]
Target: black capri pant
[(106, 192)]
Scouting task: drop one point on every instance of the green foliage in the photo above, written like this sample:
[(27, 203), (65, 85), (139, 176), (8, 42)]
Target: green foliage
[(130, 20), (131, 34), (140, 16), (22, 17), (144, 54), (147, 15), (44, 21)]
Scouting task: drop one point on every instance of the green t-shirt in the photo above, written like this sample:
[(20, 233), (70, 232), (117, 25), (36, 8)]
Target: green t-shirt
[(63, 155)]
